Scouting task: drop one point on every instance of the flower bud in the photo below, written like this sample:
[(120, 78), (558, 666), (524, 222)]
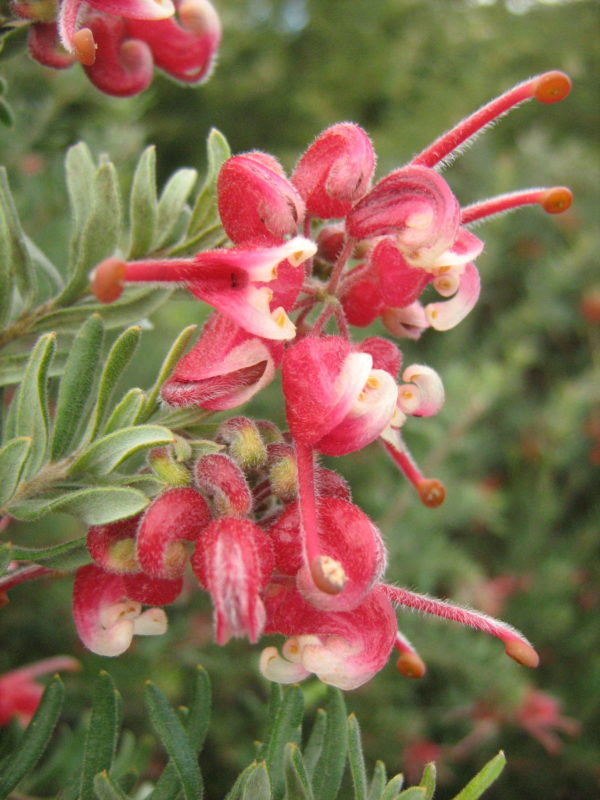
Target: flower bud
[(167, 469), (112, 546), (224, 484), (244, 442)]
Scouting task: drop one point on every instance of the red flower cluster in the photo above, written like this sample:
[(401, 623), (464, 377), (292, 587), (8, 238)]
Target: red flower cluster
[(119, 42), (282, 549)]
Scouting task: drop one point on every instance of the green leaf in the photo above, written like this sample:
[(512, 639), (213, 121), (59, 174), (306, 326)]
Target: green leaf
[(31, 417), (235, 792), (258, 785), (120, 354), (79, 171), (168, 365), (171, 204), (96, 505), (13, 247), (393, 787), (104, 455), (64, 557), (76, 386), (5, 557), (412, 793), (356, 759), (297, 782), (13, 39), (328, 773), (35, 739), (126, 411), (105, 788), (484, 778), (314, 745), (100, 232), (12, 367), (143, 211), (205, 207), (176, 742), (12, 458), (7, 117), (284, 729), (428, 780), (102, 733), (378, 781)]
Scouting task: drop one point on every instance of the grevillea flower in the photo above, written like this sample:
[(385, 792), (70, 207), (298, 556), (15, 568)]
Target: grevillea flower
[(233, 560), (230, 280), (20, 695), (105, 618), (225, 368)]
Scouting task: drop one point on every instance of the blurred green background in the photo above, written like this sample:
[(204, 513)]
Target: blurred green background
[(518, 442)]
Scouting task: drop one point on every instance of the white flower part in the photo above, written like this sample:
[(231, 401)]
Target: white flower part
[(423, 395), (262, 265), (275, 668), (447, 314), (377, 399), (447, 282), (255, 315), (152, 622), (115, 612)]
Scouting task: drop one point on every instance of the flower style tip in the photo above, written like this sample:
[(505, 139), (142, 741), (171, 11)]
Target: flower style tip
[(553, 200), (409, 663), (84, 47), (522, 652), (108, 280), (551, 87), (432, 492), (328, 574)]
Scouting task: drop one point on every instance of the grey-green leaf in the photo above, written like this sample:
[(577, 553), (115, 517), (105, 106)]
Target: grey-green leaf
[(393, 787), (31, 418), (13, 247), (120, 354), (102, 733), (35, 738), (104, 455), (106, 789), (143, 210), (168, 365), (126, 411), (76, 386), (96, 505), (378, 781), (171, 204), (258, 785), (285, 728), (412, 793), (12, 367), (330, 766), (356, 759), (484, 778), (204, 212), (63, 557), (428, 780), (314, 745), (12, 459), (79, 171), (297, 782), (176, 742)]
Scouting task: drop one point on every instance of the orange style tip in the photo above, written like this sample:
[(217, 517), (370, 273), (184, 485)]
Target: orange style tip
[(84, 47), (556, 200), (551, 87), (432, 492), (328, 574), (523, 653), (411, 665), (108, 278)]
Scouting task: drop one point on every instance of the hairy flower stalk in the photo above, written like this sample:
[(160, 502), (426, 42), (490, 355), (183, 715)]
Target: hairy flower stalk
[(272, 536)]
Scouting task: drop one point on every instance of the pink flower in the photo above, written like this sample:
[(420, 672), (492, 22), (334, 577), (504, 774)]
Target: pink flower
[(233, 560), (540, 715), (20, 695)]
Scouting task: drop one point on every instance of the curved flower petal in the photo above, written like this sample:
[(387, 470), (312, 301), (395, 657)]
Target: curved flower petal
[(447, 314)]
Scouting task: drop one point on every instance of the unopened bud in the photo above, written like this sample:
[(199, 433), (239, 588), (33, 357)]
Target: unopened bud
[(112, 546), (283, 472), (224, 484), (269, 431), (328, 574), (167, 469), (245, 444)]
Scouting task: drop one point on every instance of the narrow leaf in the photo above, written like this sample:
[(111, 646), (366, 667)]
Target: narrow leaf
[(285, 728), (35, 739), (171, 203), (79, 171), (126, 411), (235, 792), (258, 785), (12, 459), (205, 207), (105, 788), (13, 246), (76, 386), (484, 778), (314, 745), (12, 367), (168, 365), (378, 781), (96, 505), (175, 741), (102, 733), (297, 782), (118, 358), (330, 767), (428, 780), (105, 455), (64, 557), (143, 211), (393, 787), (31, 410), (356, 759), (413, 793)]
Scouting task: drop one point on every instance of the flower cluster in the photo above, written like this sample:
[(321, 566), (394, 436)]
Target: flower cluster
[(20, 695), (276, 539), (119, 42)]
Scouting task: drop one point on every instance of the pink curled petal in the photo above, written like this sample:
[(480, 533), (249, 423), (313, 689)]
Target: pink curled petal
[(416, 205), (447, 314), (225, 368), (44, 45), (123, 66), (385, 354), (256, 200), (68, 14), (135, 9), (466, 248), (431, 389), (335, 171), (400, 283), (409, 321)]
